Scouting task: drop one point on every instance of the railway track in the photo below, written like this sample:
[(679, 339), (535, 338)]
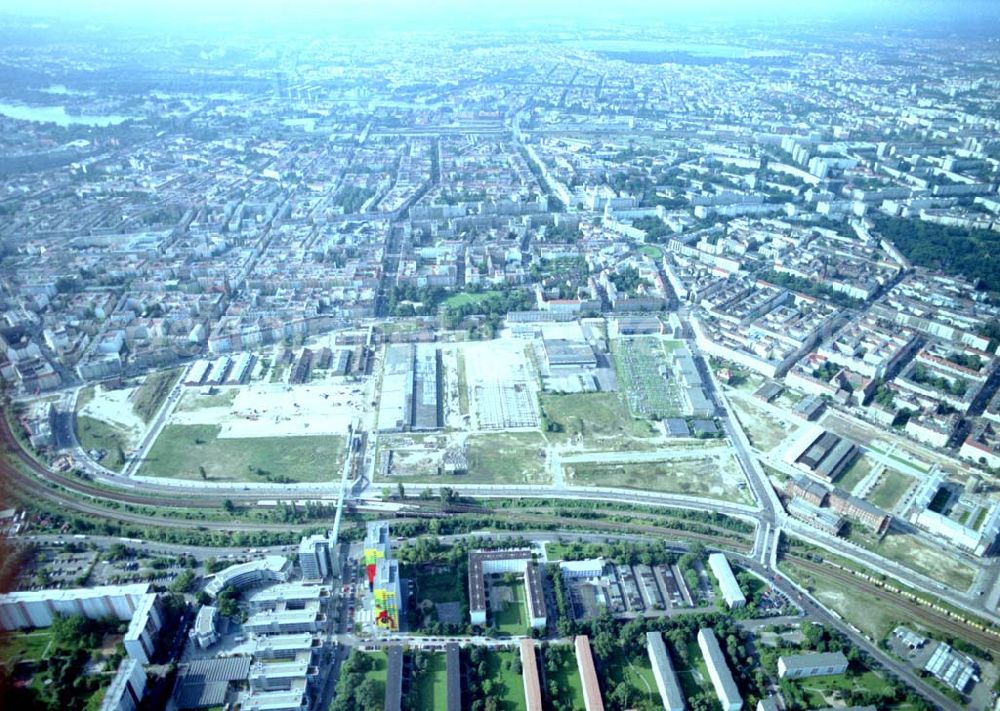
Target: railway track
[(542, 519), (73, 493), (29, 489), (943, 619), (72, 489)]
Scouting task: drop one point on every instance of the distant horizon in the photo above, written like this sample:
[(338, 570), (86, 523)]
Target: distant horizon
[(313, 15)]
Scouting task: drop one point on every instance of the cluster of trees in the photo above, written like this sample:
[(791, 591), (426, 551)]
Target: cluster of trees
[(550, 425), (61, 521), (184, 582), (633, 181), (355, 691), (654, 228), (823, 639), (574, 269), (555, 659), (563, 233), (484, 691), (564, 610), (883, 395), (686, 564), (632, 152), (257, 471), (608, 639), (924, 376), (972, 254), (213, 565), (628, 280), (352, 198), (61, 681), (637, 182), (712, 519), (228, 602), (990, 330), (448, 198), (622, 552), (714, 524), (555, 204), (424, 558), (826, 371), (812, 288), (491, 305), (298, 513), (429, 297), (429, 550), (966, 360)]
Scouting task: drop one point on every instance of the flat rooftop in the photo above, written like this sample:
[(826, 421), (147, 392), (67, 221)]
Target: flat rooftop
[(454, 677), (394, 679)]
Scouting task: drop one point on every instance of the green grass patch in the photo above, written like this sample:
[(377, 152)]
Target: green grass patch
[(636, 673), (861, 468), (980, 516), (555, 552), (85, 396), (436, 587), (594, 416), (466, 299), (154, 390), (890, 489), (95, 700), (873, 615), (651, 251), (463, 386), (512, 618), (379, 670), (184, 451), (821, 692), (193, 401), (26, 646), (506, 458), (933, 561), (566, 676), (432, 684), (92, 433), (710, 476), (508, 686), (691, 670)]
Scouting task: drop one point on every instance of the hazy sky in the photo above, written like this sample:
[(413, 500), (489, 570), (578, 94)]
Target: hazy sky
[(477, 12)]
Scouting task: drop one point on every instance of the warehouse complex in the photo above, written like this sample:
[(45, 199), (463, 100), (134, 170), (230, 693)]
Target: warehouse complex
[(410, 386), (822, 454)]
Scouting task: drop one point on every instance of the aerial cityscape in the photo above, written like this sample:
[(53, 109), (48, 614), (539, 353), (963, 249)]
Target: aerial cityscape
[(544, 360)]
